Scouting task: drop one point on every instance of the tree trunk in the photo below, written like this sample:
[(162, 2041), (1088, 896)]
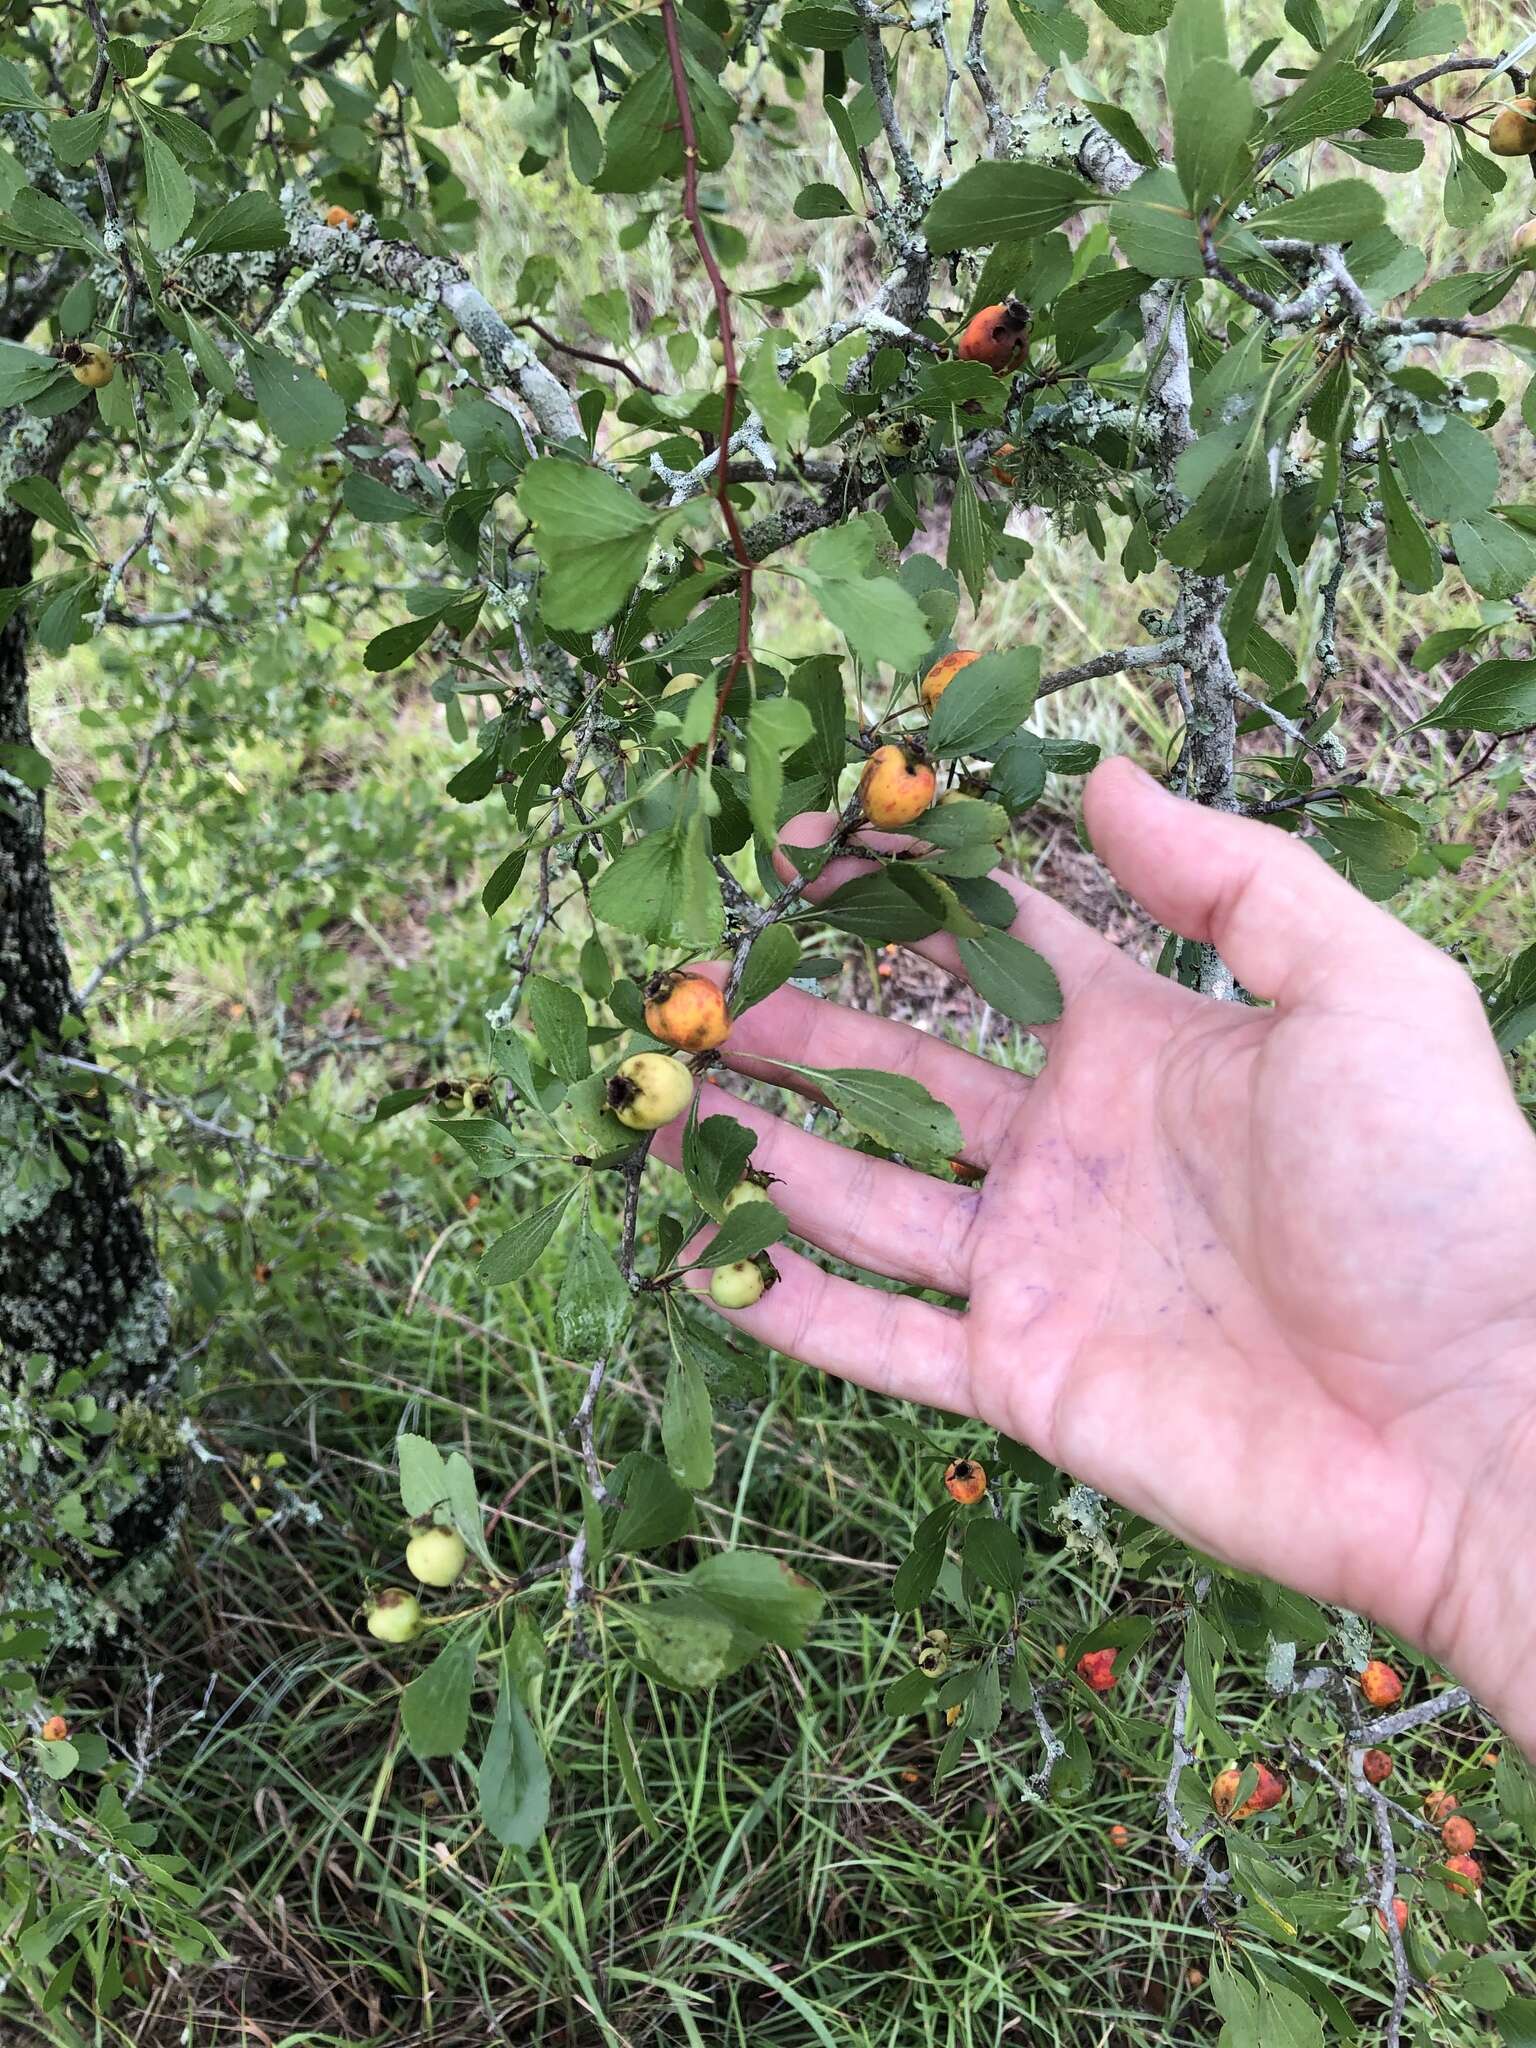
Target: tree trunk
[(80, 1287)]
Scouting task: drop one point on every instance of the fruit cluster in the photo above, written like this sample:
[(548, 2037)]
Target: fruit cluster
[(434, 1556)]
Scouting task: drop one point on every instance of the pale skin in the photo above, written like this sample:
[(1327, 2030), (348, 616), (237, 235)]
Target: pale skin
[(1264, 1274)]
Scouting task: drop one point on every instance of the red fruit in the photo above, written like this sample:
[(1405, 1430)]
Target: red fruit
[(1458, 1834), (1119, 1836), (997, 336), (1377, 1766), (1380, 1684), (1437, 1805), (1466, 1868), (1399, 1914), (55, 1728), (965, 1481), (943, 673), (1096, 1668), (895, 788), (1271, 1790), (686, 1010)]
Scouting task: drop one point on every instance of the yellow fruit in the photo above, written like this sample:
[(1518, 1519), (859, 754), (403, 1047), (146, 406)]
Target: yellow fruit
[(339, 217), (737, 1285), (965, 1480), (1522, 243), (1513, 129), (943, 673), (686, 1010), (90, 365), (648, 1090), (744, 1191), (436, 1556), (895, 788), (55, 1729), (394, 1616)]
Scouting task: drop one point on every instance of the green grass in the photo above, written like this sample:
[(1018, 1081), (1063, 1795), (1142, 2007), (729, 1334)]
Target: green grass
[(803, 1878)]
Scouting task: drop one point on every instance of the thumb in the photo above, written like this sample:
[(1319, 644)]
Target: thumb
[(1283, 921)]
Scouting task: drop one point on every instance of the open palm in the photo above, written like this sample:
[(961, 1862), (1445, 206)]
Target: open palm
[(1266, 1275)]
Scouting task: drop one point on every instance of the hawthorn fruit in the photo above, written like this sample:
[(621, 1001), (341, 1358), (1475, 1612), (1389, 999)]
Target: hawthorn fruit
[(686, 1010), (1522, 243), (1458, 1834), (55, 1729), (943, 673), (1512, 132), (1119, 1836), (1001, 468), (394, 1616), (1096, 1668), (1437, 1805), (89, 364), (1270, 1791), (1376, 1766), (1469, 1874), (1399, 1914), (999, 335), (897, 786), (900, 437), (649, 1090), (1380, 1684), (965, 1481), (339, 217), (737, 1285), (436, 1556)]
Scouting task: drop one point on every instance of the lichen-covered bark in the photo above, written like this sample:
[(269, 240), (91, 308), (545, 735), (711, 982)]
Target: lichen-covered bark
[(80, 1288)]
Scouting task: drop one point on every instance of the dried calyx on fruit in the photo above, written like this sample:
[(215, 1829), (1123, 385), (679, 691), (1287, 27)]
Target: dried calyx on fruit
[(686, 1010)]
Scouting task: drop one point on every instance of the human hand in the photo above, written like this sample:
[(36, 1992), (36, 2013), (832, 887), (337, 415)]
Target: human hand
[(1267, 1276)]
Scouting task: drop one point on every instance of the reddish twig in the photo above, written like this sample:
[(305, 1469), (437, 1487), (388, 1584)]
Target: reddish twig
[(585, 355), (721, 290)]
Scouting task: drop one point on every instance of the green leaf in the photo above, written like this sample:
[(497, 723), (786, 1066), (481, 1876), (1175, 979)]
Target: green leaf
[(594, 1303), (985, 703), (820, 201), (57, 1759), (1514, 1781), (434, 1708), (759, 1593), (994, 1554), (45, 501), (1495, 697), (34, 221), (908, 1694), (1137, 17), (560, 1022), (918, 1573), (168, 193), (656, 1509), (1497, 559), (1211, 122), (593, 537), (514, 1778), (76, 139), (28, 767), (687, 1431), (26, 373), (301, 409), (1337, 211), (423, 1475), (877, 908), (518, 1250), (489, 1144), (1012, 977), (1329, 99), (1414, 557), (464, 1505), (662, 888), (251, 221), (773, 959), (228, 21), (891, 1108), (881, 621), (687, 1642), (1453, 474), (749, 1229), (777, 727), (997, 202), (716, 1150)]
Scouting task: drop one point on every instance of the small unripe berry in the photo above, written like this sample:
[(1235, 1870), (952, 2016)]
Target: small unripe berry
[(89, 365), (965, 1480), (997, 336), (745, 1191), (1096, 1668), (1376, 1766), (436, 1556), (394, 1616), (900, 437), (1512, 132), (649, 1090), (1399, 1914), (895, 788), (1458, 1834), (55, 1728), (1380, 1684), (686, 1010), (943, 673), (1469, 1874), (737, 1285), (1271, 1790)]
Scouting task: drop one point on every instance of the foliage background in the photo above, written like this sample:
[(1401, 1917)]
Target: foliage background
[(803, 1877)]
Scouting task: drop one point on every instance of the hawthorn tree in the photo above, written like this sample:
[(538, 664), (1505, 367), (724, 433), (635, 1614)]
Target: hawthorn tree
[(1211, 337)]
